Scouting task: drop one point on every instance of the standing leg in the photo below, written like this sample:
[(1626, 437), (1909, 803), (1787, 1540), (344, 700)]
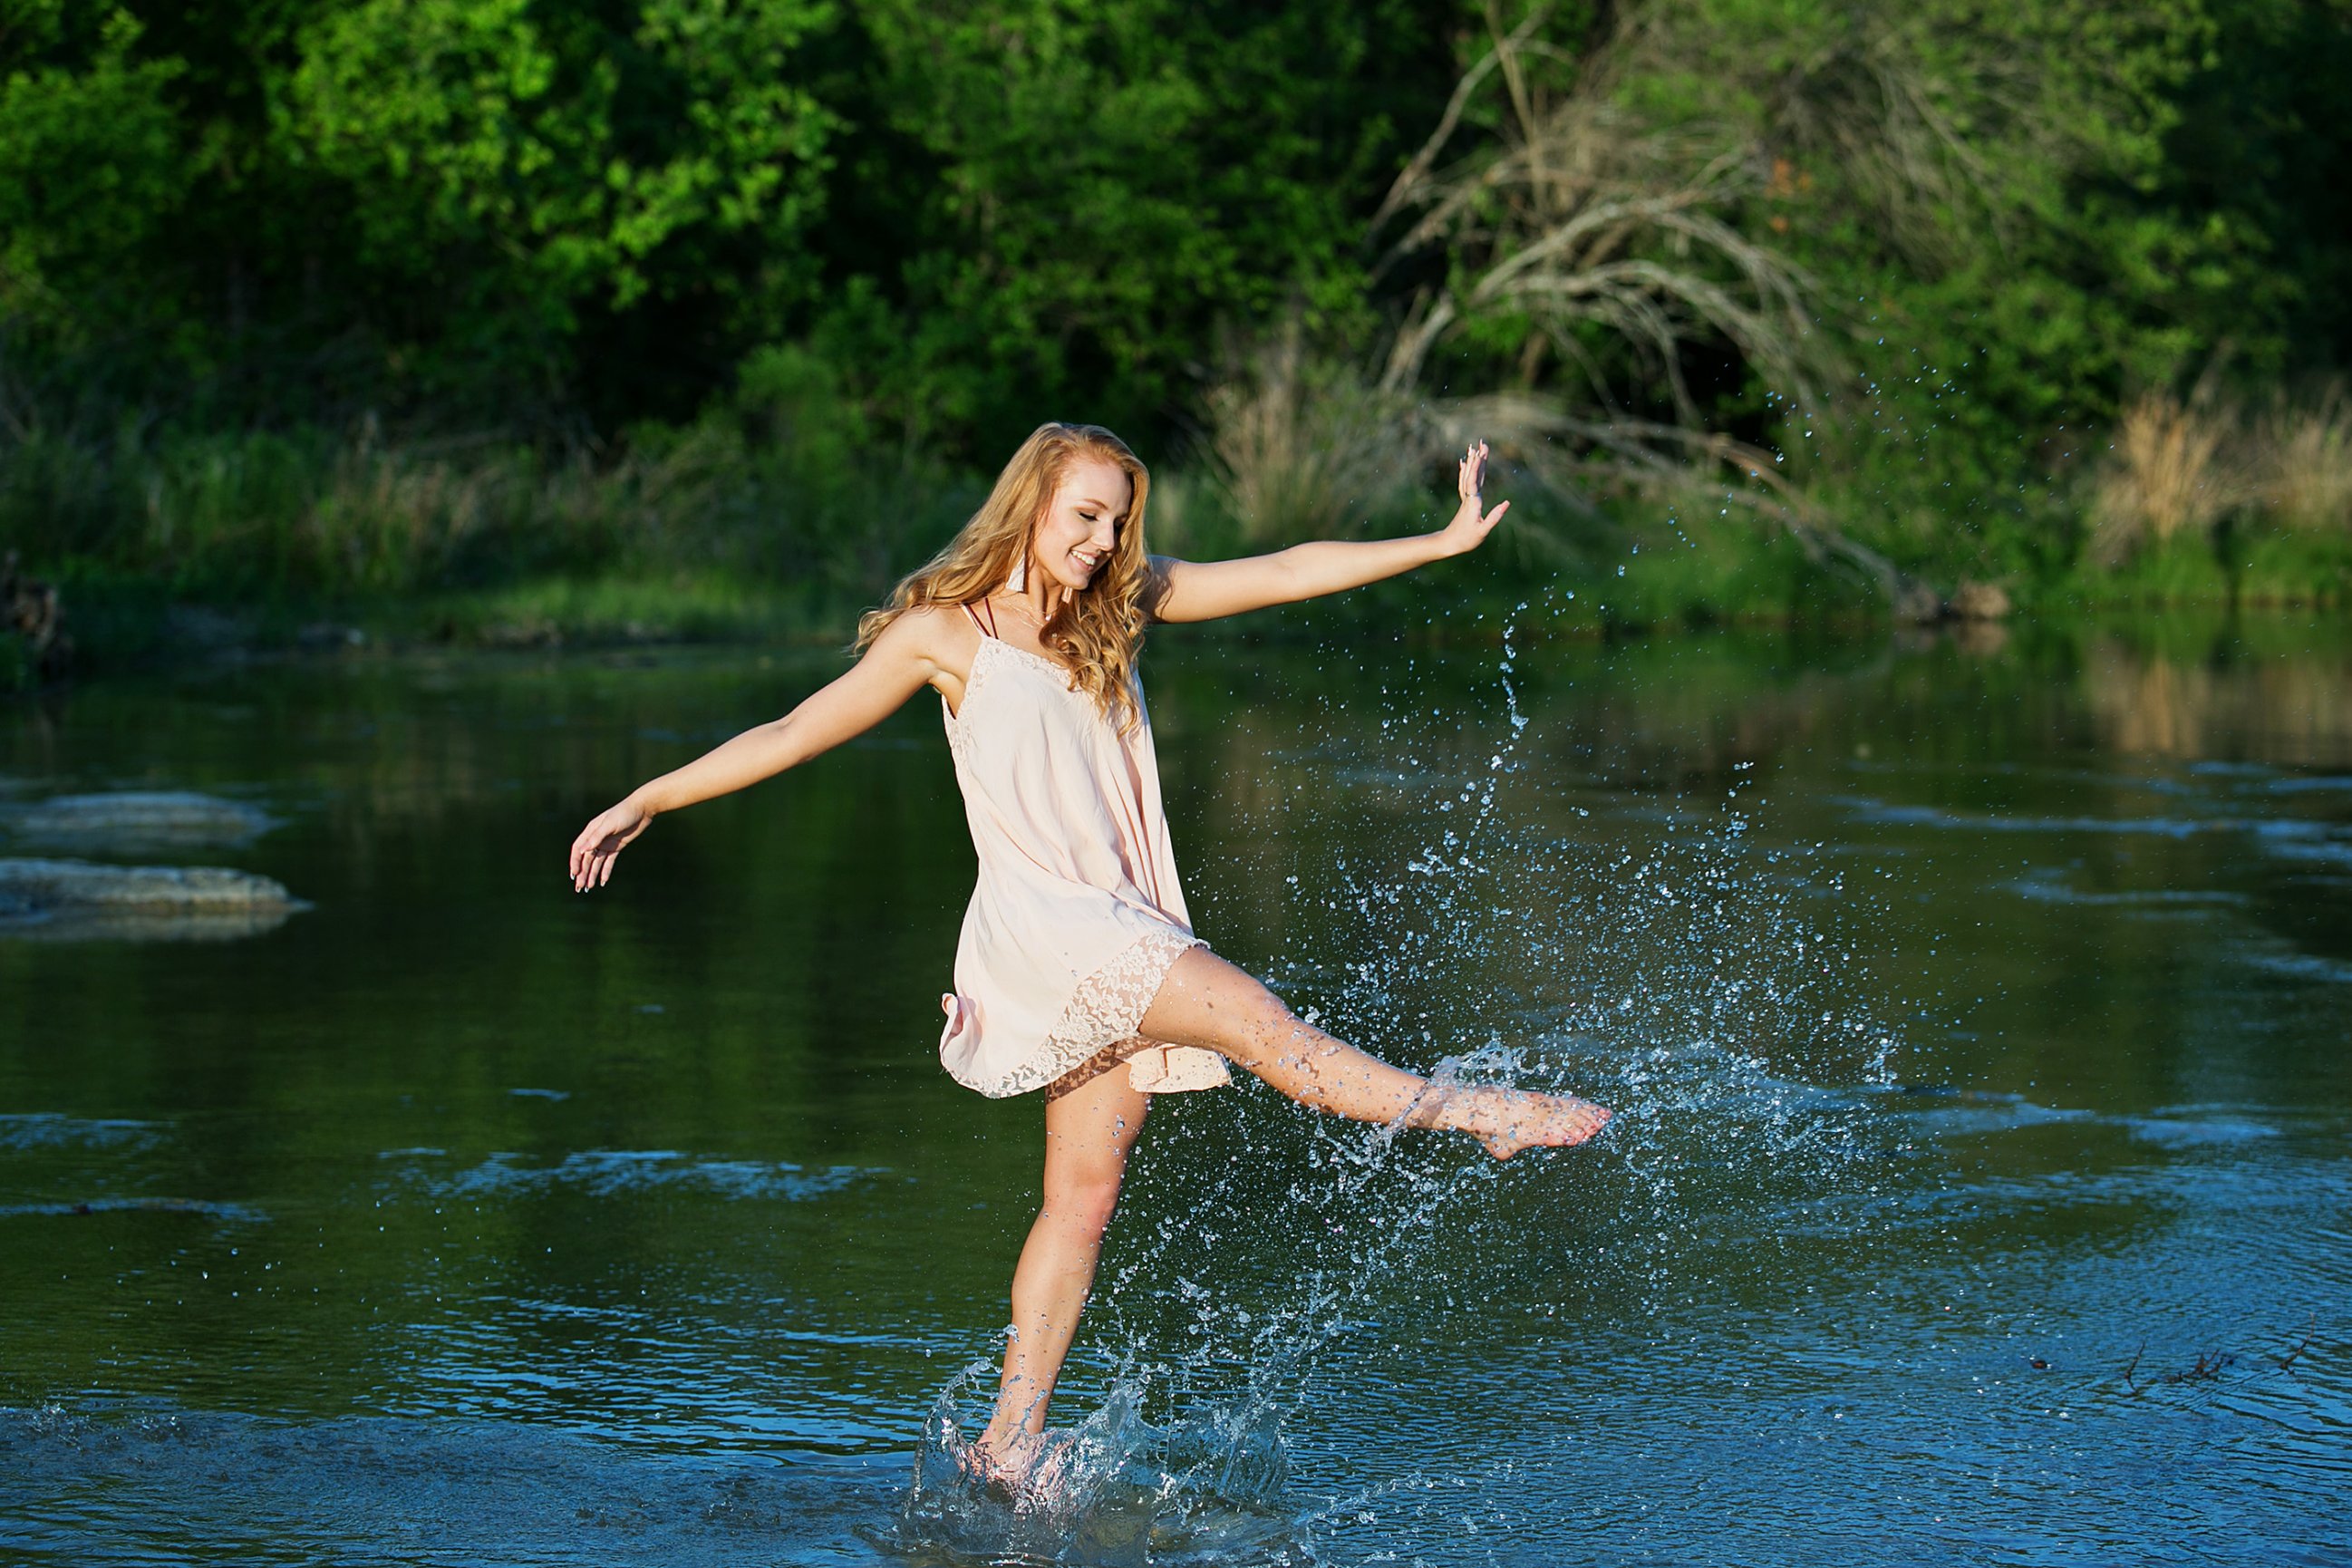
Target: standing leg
[(1087, 1134), (1207, 1002)]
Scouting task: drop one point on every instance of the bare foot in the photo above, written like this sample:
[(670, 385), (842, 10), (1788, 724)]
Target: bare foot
[(1017, 1461), (1510, 1119)]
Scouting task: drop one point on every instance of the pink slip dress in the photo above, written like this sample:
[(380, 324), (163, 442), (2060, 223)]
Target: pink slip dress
[(1077, 915)]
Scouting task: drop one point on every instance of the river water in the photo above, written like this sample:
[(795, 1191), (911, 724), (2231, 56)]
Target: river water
[(1976, 1013)]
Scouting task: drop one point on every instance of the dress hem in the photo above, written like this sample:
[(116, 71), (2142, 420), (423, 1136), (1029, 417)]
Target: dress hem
[(1104, 1010)]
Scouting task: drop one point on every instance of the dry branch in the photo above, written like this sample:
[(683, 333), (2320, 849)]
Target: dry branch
[(1622, 241), (1579, 215)]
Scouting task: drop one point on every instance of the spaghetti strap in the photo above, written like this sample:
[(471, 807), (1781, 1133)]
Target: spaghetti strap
[(987, 627)]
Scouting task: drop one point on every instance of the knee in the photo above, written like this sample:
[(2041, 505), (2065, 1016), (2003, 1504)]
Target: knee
[(1084, 1198), (1265, 1032)]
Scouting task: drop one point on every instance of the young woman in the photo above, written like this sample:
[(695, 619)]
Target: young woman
[(1077, 972)]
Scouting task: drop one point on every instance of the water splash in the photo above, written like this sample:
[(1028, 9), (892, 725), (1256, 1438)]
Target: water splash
[(1658, 956), (1114, 1490)]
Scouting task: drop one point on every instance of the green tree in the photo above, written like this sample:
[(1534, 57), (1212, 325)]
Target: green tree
[(1088, 194), (551, 159), (91, 162)]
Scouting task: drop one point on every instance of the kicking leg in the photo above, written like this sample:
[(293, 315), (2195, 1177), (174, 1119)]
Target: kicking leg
[(1087, 1134), (1207, 1002)]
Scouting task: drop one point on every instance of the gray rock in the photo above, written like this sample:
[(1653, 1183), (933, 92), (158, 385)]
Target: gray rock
[(137, 816), (75, 901)]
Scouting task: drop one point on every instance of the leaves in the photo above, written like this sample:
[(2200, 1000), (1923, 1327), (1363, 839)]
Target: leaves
[(473, 127), (90, 160)]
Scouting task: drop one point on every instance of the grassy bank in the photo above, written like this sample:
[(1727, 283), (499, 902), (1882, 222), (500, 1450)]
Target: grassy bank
[(774, 517)]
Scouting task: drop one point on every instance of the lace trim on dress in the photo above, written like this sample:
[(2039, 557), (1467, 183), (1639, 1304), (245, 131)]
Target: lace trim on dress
[(1105, 1009), (959, 722), (1110, 1058)]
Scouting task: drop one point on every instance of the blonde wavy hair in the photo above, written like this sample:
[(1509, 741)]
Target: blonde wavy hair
[(1094, 634)]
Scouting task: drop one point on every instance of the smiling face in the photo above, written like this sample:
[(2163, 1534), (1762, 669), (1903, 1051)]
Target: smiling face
[(1082, 522)]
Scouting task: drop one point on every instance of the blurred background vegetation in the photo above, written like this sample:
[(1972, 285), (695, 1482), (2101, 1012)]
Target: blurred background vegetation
[(516, 319)]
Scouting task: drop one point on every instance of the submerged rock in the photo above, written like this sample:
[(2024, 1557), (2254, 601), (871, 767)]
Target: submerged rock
[(75, 901), (138, 817)]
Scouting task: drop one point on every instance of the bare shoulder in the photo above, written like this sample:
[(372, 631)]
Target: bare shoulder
[(934, 640), (924, 631)]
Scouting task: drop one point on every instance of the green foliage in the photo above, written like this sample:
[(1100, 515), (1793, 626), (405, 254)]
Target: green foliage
[(768, 490), (90, 163), (393, 295), (580, 158), (1087, 196)]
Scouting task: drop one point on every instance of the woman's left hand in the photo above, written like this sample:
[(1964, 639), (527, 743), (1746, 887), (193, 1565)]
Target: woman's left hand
[(1471, 523)]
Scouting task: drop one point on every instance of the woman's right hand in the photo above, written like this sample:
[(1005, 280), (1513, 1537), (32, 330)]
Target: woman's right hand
[(601, 843)]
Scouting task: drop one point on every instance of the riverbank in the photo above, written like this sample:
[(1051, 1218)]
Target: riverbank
[(729, 530), (1658, 584), (124, 626)]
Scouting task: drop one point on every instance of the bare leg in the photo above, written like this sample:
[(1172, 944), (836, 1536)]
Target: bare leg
[(1087, 1134), (1207, 1002)]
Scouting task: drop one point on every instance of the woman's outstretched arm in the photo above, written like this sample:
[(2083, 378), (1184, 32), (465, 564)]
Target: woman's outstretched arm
[(900, 662), (1204, 590)]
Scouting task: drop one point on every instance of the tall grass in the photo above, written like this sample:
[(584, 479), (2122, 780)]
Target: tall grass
[(2196, 501), (768, 491), (2177, 468), (771, 512), (2165, 478), (1299, 446), (2305, 482)]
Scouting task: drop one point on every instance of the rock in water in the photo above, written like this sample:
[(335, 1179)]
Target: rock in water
[(135, 817), (77, 901), (1979, 601)]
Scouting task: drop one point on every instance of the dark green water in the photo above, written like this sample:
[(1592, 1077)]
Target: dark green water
[(1978, 1018)]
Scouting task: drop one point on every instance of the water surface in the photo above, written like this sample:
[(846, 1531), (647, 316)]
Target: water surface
[(1977, 1016)]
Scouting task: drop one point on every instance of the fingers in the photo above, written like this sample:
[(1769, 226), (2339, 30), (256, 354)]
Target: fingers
[(595, 867), (591, 862), (1471, 475), (583, 855)]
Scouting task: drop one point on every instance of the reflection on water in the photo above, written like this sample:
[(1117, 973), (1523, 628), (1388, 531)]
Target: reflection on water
[(1975, 1015), (2291, 712)]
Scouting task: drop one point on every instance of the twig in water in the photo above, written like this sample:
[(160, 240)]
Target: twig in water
[(2207, 1365), (2309, 1329)]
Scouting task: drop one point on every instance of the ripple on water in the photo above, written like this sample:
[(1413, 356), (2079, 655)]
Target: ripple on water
[(2049, 886), (446, 1490), (1865, 809), (2277, 958), (226, 1212), (2305, 843), (43, 1130), (614, 1173)]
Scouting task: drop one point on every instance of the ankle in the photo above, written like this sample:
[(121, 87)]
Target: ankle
[(1454, 1106)]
